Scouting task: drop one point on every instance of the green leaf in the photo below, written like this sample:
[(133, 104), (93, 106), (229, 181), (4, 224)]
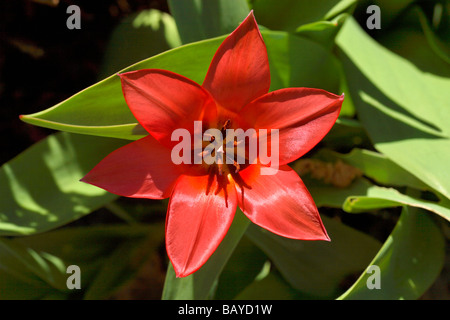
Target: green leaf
[(245, 265), (41, 188), (409, 261), (317, 267), (299, 62), (325, 195), (418, 99), (376, 166), (379, 197), (203, 19), (101, 109), (201, 284), (26, 267), (288, 15), (439, 47), (123, 264), (404, 110), (323, 32), (272, 287), (391, 10), (346, 133), (137, 37), (34, 267), (414, 40), (361, 195)]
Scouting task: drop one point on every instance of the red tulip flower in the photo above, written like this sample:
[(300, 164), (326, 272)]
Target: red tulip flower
[(204, 197)]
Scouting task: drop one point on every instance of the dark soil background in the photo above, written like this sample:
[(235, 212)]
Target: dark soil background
[(42, 62)]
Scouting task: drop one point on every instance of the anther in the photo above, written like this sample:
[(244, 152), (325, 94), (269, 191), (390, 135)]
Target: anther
[(238, 167), (211, 137), (226, 125)]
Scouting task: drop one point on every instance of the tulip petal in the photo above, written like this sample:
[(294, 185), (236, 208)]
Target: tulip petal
[(239, 71), (303, 117), (163, 101), (141, 169), (279, 203), (200, 213)]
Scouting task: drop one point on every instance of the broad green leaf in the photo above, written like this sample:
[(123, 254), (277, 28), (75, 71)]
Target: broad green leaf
[(390, 10), (412, 45), (34, 267), (416, 98), (202, 19), (202, 284), (404, 110), (299, 62), (245, 265), (76, 244), (441, 48), (346, 134), (347, 108), (101, 109), (334, 197), (323, 32), (414, 40), (361, 195), (317, 267), (376, 166), (41, 188), (409, 261), (123, 264), (272, 287), (379, 197), (288, 15), (22, 290), (137, 37), (23, 266)]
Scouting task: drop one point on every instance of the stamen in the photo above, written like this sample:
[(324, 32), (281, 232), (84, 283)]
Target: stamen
[(226, 125), (235, 163), (238, 167), (211, 137)]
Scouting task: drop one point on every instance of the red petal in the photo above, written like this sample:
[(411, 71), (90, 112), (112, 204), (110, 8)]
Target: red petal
[(141, 169), (279, 203), (239, 71), (163, 101), (303, 117), (200, 213)]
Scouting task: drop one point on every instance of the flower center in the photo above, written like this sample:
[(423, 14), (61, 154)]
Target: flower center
[(222, 152)]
